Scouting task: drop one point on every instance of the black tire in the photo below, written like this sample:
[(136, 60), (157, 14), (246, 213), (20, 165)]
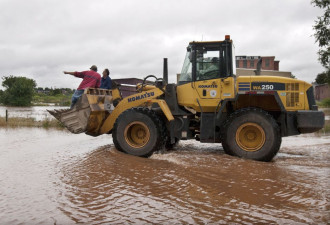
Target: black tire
[(251, 133), (139, 132)]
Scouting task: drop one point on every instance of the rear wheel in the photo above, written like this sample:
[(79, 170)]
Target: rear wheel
[(251, 133), (139, 132)]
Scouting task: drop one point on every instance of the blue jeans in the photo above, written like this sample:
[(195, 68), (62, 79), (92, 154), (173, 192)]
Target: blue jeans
[(76, 95)]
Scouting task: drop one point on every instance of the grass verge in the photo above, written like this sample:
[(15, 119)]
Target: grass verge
[(30, 122), (59, 99)]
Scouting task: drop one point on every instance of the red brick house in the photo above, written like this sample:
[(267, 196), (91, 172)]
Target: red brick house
[(322, 91), (250, 62)]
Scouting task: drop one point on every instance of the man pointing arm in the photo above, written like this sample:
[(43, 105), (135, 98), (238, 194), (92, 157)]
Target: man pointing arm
[(90, 79)]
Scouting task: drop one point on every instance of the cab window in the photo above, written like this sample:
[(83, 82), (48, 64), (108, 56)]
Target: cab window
[(208, 64)]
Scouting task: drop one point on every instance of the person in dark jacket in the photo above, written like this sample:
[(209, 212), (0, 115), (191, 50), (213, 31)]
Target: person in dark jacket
[(106, 80)]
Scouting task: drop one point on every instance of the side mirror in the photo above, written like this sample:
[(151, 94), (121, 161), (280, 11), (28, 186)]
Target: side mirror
[(191, 56)]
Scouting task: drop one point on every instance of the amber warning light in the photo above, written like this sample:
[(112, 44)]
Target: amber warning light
[(227, 37)]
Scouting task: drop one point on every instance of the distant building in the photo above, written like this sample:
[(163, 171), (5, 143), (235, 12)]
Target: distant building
[(250, 62), (247, 66), (321, 91)]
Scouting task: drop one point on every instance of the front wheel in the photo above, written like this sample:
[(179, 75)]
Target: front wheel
[(139, 132), (251, 133)]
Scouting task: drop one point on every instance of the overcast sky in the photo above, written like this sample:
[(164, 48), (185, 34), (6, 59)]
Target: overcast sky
[(41, 38)]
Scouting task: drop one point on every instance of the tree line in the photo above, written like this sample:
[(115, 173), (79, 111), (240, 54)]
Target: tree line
[(322, 37), (53, 91), (20, 91)]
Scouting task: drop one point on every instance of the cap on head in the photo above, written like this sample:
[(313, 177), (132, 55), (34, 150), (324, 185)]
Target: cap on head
[(94, 68)]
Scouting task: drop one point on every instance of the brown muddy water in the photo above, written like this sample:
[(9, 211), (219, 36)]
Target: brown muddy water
[(55, 177)]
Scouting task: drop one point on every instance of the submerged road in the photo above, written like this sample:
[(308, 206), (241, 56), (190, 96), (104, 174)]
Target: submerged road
[(50, 176)]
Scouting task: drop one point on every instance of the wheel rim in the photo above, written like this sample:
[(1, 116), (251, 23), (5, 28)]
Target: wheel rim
[(250, 137), (137, 134)]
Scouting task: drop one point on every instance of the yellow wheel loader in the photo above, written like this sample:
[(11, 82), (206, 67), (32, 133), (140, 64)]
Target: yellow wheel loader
[(249, 115)]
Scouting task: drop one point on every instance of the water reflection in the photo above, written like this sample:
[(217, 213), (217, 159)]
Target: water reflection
[(188, 186)]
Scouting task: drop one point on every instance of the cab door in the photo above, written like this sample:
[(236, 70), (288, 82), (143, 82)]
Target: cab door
[(207, 78)]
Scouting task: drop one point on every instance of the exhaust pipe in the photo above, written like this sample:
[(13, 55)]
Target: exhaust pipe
[(165, 71), (259, 64)]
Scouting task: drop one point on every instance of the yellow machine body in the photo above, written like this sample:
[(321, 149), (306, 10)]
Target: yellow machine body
[(204, 96)]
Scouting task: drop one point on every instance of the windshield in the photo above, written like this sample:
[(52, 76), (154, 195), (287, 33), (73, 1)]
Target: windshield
[(186, 74)]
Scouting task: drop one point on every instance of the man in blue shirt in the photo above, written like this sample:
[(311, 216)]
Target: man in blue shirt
[(106, 80)]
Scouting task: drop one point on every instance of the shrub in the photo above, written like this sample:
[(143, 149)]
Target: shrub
[(325, 102)]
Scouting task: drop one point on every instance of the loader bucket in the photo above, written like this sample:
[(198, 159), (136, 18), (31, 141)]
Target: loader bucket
[(88, 113)]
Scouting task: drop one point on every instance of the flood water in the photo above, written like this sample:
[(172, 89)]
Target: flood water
[(36, 112), (55, 177)]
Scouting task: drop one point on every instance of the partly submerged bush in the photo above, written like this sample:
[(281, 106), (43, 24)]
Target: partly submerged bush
[(325, 102)]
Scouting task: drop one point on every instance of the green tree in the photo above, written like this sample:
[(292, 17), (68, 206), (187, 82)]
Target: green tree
[(322, 32), (323, 78), (1, 93), (56, 91), (18, 91)]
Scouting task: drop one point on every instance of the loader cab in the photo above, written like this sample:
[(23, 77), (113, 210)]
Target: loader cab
[(208, 60), (208, 75)]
